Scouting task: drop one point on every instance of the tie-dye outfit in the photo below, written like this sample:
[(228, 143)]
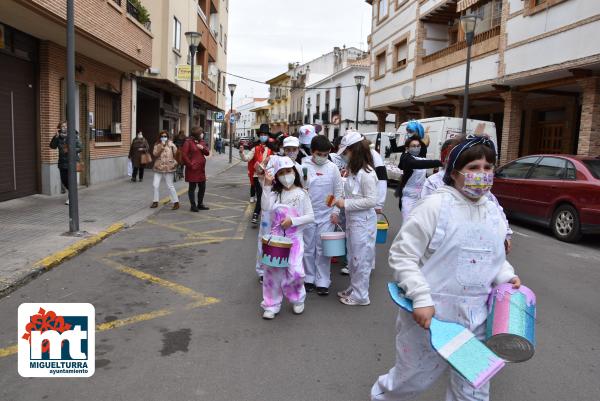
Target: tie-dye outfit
[(277, 282)]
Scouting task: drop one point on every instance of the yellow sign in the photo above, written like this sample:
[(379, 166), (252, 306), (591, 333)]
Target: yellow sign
[(1, 36), (184, 71)]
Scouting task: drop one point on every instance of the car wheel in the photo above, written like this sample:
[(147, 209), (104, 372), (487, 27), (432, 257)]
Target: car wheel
[(565, 224)]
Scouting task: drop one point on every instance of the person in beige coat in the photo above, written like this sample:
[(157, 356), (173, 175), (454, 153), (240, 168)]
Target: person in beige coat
[(165, 166)]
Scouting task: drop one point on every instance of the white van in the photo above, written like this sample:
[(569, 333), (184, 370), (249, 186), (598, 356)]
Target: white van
[(440, 129), (391, 163)]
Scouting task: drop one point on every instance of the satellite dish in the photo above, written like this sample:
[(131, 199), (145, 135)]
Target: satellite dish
[(407, 92)]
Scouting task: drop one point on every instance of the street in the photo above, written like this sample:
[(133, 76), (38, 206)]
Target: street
[(178, 317)]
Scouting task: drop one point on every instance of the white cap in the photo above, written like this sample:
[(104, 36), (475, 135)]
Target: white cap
[(307, 133), (282, 162), (291, 141), (349, 139)]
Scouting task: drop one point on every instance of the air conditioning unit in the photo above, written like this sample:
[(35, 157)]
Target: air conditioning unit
[(116, 128)]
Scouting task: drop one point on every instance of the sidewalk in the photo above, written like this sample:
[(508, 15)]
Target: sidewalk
[(32, 228)]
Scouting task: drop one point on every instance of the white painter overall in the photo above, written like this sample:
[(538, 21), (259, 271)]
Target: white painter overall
[(411, 193)]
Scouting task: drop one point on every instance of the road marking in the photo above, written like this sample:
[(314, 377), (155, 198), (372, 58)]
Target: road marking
[(13, 349), (521, 234), (158, 248), (241, 229), (225, 197), (78, 247)]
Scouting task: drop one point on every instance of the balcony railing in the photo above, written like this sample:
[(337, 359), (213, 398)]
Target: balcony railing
[(136, 13), (118, 2), (482, 37)]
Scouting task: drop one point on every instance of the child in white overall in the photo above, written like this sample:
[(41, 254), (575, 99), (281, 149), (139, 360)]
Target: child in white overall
[(290, 209), (446, 258), (360, 200), (323, 178)]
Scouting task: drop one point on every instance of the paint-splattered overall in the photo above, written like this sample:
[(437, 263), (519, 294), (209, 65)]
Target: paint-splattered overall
[(278, 282)]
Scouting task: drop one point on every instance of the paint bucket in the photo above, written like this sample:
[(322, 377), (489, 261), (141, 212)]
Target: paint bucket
[(511, 323), (382, 230), (276, 251), (334, 243)]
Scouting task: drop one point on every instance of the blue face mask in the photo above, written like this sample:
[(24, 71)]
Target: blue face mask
[(263, 138)]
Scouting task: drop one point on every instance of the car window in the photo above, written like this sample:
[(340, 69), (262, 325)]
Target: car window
[(594, 167), (518, 168), (571, 171), (549, 168)]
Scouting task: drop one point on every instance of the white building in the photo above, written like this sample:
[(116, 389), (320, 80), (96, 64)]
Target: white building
[(535, 68), (245, 126)]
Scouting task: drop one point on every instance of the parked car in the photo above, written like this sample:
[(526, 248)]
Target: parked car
[(557, 191)]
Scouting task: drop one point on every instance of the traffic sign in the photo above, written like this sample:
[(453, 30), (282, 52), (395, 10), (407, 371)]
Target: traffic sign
[(232, 119), (219, 116)]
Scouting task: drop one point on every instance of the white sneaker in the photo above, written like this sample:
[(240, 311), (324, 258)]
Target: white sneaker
[(344, 270), (352, 302), (346, 293), (253, 199), (298, 308), (67, 201), (268, 315)]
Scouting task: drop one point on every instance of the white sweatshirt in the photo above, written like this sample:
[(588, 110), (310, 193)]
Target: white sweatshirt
[(360, 191), (296, 197), (410, 250)]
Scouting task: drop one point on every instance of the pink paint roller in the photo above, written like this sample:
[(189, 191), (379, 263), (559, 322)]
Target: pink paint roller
[(457, 345)]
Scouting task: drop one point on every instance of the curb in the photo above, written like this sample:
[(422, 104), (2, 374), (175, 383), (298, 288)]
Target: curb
[(57, 258)]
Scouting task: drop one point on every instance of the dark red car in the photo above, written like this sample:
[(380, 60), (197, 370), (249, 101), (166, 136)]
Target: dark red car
[(557, 191)]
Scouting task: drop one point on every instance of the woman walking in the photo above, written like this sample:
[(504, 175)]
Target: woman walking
[(138, 147), (164, 167), (194, 154), (60, 141)]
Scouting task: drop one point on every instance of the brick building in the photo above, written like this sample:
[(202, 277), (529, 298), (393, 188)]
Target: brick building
[(534, 71), (112, 45)]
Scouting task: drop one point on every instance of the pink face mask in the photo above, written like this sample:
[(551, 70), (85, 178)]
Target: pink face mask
[(477, 184)]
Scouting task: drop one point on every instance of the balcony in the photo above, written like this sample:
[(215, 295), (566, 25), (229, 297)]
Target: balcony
[(315, 117), (138, 12), (483, 43), (325, 117)]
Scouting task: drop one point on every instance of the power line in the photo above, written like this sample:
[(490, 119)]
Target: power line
[(286, 86)]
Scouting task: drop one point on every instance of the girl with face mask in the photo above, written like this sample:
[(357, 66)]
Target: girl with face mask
[(138, 147), (165, 166), (290, 210), (446, 258), (414, 171)]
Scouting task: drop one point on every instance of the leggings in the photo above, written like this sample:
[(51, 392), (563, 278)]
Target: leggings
[(258, 190), (64, 177), (192, 192)]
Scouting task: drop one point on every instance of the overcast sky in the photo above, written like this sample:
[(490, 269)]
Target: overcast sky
[(264, 35)]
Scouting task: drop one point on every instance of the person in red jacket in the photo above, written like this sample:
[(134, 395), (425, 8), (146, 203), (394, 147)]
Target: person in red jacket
[(256, 156), (194, 154)]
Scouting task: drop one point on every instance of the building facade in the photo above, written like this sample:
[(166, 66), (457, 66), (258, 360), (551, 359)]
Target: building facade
[(163, 101), (245, 126), (279, 99), (532, 71), (113, 43)]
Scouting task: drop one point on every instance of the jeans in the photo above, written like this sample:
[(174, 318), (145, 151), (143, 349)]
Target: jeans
[(169, 180), (258, 190), (64, 177), (192, 192), (138, 171)]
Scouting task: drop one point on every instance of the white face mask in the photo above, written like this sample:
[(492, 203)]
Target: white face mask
[(319, 160), (163, 140), (139, 136), (292, 154), (287, 180)]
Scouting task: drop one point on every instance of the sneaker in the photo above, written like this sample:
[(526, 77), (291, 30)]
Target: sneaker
[(344, 271), (346, 293), (154, 205), (309, 287), (255, 218), (67, 201), (202, 207), (352, 302), (175, 206), (253, 199), (268, 315), (298, 308), (323, 291)]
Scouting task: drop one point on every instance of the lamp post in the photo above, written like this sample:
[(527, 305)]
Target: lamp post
[(72, 135), (358, 79), (193, 39), (468, 23), (231, 90)]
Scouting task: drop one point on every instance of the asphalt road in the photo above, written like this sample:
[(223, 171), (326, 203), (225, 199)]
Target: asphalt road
[(177, 302)]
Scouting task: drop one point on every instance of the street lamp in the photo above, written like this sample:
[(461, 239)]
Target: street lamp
[(193, 39), (468, 22), (231, 90), (359, 81)]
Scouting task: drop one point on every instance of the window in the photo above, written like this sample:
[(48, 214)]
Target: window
[(571, 171), (594, 167), (176, 34), (221, 33), (380, 64), (224, 86), (400, 54), (108, 116), (490, 12), (549, 168), (519, 168), (400, 3), (225, 44), (382, 10)]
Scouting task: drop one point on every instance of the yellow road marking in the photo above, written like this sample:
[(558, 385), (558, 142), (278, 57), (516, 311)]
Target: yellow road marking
[(243, 224), (201, 219), (170, 226), (13, 349), (158, 248), (225, 197), (78, 247)]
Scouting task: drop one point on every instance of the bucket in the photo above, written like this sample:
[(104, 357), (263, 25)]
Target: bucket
[(511, 323), (276, 251), (382, 230), (334, 243)]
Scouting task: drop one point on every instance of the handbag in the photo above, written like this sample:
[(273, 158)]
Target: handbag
[(146, 158), (79, 167)]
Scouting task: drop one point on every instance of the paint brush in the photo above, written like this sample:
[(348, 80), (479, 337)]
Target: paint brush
[(471, 358)]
